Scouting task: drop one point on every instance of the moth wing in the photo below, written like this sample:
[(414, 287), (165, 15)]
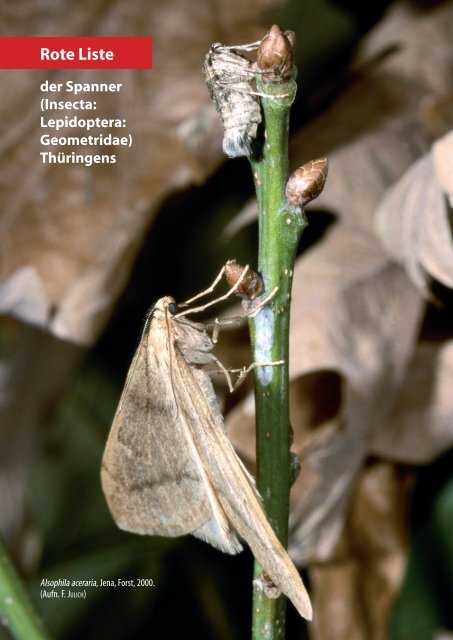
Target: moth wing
[(150, 476), (216, 531), (238, 497)]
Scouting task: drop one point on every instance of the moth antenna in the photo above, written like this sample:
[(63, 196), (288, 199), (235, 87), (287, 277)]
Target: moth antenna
[(243, 47), (251, 313), (210, 289), (224, 297)]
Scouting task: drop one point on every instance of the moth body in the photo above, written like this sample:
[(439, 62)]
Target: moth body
[(228, 77)]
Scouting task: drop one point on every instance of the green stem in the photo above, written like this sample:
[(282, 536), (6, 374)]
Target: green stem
[(16, 611), (280, 228)]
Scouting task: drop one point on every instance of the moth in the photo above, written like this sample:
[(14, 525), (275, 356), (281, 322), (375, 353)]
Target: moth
[(228, 77), (168, 468)]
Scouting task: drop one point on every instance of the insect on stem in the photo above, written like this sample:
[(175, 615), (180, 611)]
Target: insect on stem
[(169, 469), (228, 77)]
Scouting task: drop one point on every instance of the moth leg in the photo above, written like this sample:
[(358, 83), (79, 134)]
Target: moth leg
[(238, 320), (250, 92), (248, 76), (234, 320), (208, 290), (243, 47), (243, 373), (225, 371), (211, 288), (243, 74), (265, 95)]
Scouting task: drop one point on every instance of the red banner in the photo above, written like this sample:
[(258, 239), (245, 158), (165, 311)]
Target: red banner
[(47, 52)]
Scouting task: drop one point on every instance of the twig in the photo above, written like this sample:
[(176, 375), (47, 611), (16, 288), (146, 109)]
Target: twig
[(16, 610), (280, 228)]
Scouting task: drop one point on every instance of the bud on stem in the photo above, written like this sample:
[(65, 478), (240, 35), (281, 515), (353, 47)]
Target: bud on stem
[(251, 285), (307, 182), (275, 57)]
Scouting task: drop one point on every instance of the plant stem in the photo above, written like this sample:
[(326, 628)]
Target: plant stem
[(280, 228), (16, 610)]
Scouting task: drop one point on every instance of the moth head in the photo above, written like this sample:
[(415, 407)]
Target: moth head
[(164, 305), (173, 308)]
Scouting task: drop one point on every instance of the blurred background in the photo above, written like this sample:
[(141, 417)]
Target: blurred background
[(86, 251)]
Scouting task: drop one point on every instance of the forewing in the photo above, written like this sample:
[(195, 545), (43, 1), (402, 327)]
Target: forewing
[(235, 490), (150, 477)]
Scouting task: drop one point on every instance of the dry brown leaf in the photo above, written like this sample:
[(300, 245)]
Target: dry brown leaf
[(443, 164), (354, 593), (374, 131), (420, 425), (413, 223), (356, 314), (78, 229)]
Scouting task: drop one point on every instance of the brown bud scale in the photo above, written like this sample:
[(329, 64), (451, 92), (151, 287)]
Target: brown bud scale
[(252, 284), (307, 182), (275, 57)]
